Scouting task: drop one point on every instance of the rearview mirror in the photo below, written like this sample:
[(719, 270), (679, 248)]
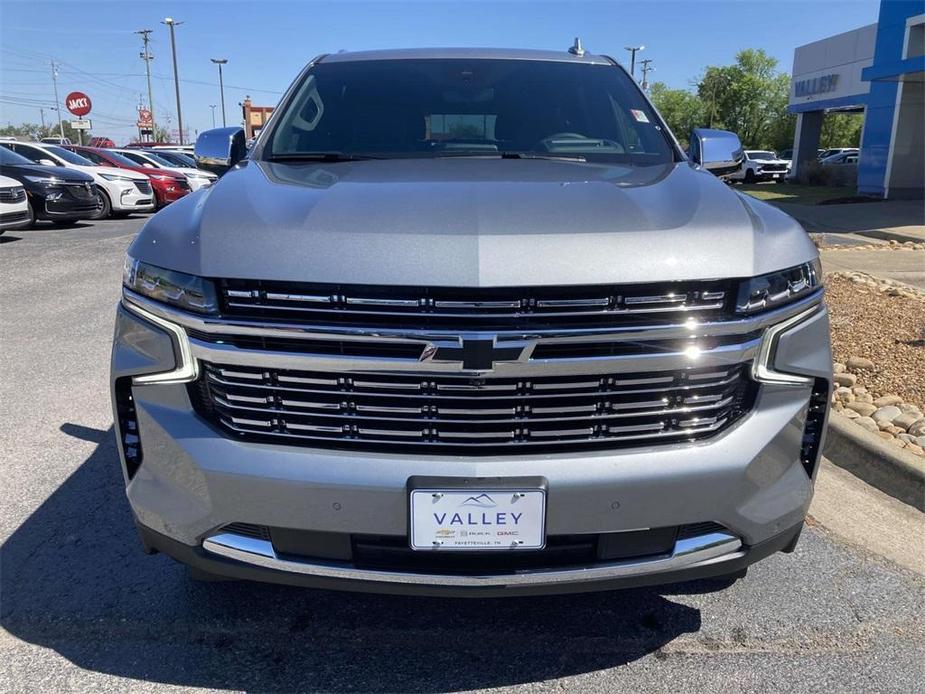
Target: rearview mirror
[(717, 151), (220, 149)]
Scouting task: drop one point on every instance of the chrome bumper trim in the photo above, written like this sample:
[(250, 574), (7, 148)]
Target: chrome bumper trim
[(696, 551), (690, 328)]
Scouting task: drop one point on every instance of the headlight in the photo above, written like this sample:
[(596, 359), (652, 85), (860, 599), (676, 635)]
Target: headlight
[(43, 180), (116, 177), (778, 288), (175, 288)]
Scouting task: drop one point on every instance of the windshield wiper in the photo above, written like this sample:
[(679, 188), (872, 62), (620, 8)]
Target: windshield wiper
[(495, 154), (540, 155), (328, 157)]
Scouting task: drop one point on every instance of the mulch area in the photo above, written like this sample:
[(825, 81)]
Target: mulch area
[(888, 330)]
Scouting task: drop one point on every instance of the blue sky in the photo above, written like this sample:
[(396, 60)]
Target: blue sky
[(268, 42)]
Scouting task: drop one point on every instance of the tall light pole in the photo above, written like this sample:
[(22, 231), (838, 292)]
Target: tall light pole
[(645, 73), (54, 79), (171, 23), (212, 106), (632, 50), (147, 57), (221, 85)]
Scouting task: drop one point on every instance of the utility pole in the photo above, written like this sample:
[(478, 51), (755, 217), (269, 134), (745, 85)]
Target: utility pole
[(146, 56), (221, 86), (645, 73), (212, 106), (54, 79), (171, 23), (632, 50), (42, 111)]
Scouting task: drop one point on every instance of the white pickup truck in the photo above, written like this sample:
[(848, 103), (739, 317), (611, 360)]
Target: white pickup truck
[(761, 165)]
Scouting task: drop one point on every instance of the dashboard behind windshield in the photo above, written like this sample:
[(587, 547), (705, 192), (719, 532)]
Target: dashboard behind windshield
[(470, 107)]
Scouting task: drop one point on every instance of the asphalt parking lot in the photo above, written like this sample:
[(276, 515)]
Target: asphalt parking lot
[(83, 609)]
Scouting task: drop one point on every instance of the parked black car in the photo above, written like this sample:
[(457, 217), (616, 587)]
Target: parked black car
[(56, 194)]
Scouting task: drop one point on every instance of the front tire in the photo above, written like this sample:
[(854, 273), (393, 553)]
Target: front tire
[(31, 224), (105, 206), (749, 176)]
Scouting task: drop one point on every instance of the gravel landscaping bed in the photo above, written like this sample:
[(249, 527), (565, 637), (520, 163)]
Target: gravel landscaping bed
[(878, 340)]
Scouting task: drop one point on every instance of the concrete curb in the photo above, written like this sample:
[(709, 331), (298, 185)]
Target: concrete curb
[(885, 235), (864, 454)]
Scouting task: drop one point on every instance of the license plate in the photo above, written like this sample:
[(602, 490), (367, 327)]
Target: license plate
[(478, 519)]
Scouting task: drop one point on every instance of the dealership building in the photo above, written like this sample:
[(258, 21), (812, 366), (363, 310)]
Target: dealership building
[(878, 71)]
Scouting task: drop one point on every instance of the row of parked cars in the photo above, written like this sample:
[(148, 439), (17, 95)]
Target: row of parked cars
[(63, 184), (766, 165)]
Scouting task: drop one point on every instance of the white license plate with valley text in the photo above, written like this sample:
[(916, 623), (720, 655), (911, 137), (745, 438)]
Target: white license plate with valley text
[(478, 520)]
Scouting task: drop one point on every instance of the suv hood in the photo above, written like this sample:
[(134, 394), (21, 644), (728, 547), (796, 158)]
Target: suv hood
[(18, 171), (471, 222), (111, 171)]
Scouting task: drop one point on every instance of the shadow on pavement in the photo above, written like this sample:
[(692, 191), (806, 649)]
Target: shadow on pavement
[(75, 580)]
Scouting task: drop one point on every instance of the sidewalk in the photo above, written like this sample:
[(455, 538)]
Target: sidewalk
[(901, 265), (901, 220)]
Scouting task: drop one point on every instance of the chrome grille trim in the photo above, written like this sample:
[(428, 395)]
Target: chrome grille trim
[(471, 307), (12, 194), (491, 414), (669, 330)]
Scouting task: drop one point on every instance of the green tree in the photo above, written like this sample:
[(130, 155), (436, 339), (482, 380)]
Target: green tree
[(749, 98), (841, 130), (681, 109), (35, 131)]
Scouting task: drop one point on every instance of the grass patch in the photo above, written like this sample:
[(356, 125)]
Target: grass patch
[(795, 192)]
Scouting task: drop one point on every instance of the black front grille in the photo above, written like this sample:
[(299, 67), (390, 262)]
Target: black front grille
[(473, 309), (12, 217), (471, 415), (144, 187), (773, 167), (15, 194)]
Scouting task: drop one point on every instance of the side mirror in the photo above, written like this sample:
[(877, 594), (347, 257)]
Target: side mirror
[(717, 151), (48, 162), (220, 149)]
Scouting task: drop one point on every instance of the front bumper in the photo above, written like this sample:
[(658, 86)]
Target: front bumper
[(168, 192), (126, 197), (64, 206), (711, 557), (193, 481)]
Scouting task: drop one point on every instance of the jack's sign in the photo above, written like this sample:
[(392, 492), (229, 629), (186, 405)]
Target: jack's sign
[(78, 103)]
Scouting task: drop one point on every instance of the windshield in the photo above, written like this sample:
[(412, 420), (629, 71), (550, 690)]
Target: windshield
[(159, 159), (761, 155), (177, 159), (470, 107), (10, 158), (68, 155)]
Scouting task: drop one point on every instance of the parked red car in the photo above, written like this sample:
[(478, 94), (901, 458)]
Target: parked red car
[(168, 186)]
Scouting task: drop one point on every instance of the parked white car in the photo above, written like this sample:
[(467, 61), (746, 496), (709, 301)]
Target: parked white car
[(761, 165), (841, 159), (121, 191), (14, 207), (832, 151), (197, 178)]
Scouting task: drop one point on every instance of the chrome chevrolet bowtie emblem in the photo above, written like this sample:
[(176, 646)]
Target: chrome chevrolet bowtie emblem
[(476, 354)]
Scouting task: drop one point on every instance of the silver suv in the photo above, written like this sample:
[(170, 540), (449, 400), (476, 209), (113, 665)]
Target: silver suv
[(470, 322)]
